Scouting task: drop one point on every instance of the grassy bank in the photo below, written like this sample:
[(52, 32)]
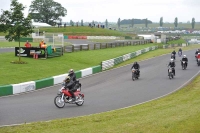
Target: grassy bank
[(176, 113), (38, 69), (81, 30)]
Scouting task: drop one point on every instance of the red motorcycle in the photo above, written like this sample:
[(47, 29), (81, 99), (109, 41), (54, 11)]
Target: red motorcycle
[(65, 97)]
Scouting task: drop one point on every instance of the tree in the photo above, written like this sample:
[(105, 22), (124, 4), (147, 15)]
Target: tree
[(176, 22), (14, 24), (46, 11), (118, 23), (146, 22), (106, 23), (193, 23), (82, 22), (132, 22), (161, 22)]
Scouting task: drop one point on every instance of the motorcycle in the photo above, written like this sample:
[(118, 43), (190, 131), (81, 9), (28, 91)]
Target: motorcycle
[(179, 53), (183, 65), (170, 73), (173, 56), (64, 96), (135, 74)]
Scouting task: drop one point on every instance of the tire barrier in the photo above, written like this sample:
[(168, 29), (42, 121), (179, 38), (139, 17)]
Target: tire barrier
[(174, 45), (80, 47)]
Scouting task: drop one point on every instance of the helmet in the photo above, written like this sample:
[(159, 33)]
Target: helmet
[(184, 56), (171, 60), (71, 71), (135, 62), (67, 79)]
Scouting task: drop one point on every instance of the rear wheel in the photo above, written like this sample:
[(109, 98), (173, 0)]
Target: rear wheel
[(59, 102)]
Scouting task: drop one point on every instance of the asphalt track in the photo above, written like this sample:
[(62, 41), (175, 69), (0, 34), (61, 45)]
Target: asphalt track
[(104, 91)]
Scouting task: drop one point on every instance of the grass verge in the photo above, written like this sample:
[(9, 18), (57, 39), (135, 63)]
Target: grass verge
[(176, 113)]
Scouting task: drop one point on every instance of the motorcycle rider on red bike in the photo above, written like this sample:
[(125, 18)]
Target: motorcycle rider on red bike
[(69, 84), (198, 56)]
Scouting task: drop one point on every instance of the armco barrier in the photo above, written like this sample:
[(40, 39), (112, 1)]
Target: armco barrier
[(44, 83), (85, 72), (6, 90), (96, 69), (23, 87), (110, 63)]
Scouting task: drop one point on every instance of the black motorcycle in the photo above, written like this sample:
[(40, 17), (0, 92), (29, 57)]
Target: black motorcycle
[(170, 72), (135, 74), (173, 56), (183, 65)]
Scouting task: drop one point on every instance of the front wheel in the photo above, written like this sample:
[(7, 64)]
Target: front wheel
[(59, 102), (80, 100)]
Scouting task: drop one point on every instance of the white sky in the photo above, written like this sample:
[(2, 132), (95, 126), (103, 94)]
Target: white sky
[(100, 10)]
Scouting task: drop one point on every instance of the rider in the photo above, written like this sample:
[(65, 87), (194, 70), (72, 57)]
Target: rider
[(184, 59), (174, 52), (198, 56), (180, 51), (172, 65), (72, 75), (69, 84), (136, 66)]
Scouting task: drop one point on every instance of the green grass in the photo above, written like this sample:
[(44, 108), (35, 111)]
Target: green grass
[(39, 69), (176, 113), (179, 41)]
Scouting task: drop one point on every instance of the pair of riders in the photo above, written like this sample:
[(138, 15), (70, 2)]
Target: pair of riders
[(172, 64), (70, 82)]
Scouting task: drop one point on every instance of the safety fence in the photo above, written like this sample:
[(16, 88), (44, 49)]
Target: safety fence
[(175, 45)]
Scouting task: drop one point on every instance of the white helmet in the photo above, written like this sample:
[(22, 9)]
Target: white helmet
[(184, 56), (171, 60)]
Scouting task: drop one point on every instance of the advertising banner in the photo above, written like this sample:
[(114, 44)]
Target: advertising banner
[(29, 52)]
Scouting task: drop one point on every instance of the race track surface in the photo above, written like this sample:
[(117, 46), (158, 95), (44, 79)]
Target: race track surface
[(105, 91)]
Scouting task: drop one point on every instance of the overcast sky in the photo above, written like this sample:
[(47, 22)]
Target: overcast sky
[(100, 10)]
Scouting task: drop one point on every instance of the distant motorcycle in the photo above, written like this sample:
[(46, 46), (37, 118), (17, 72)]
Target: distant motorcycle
[(179, 53), (170, 73), (135, 74), (65, 97), (173, 56)]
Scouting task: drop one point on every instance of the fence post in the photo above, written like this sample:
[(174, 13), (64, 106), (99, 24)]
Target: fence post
[(94, 46), (88, 47), (72, 48), (80, 47)]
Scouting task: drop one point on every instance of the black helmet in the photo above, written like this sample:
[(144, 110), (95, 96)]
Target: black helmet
[(135, 62), (67, 79)]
